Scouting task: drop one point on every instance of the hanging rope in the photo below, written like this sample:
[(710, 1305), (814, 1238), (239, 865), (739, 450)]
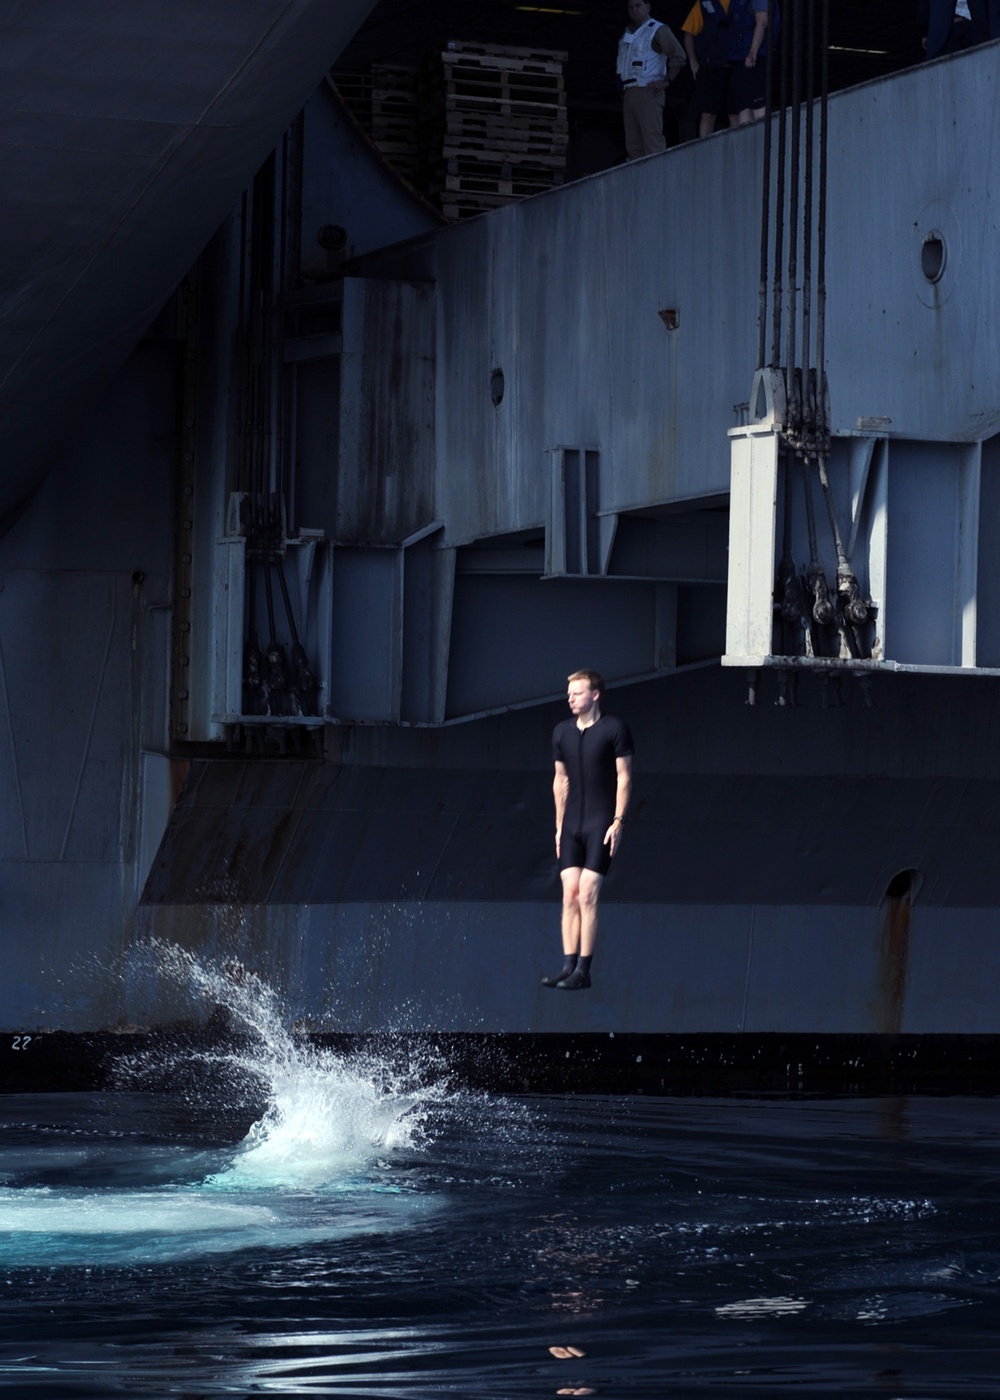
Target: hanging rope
[(765, 212), (822, 412), (822, 608), (779, 194), (277, 662), (262, 476), (254, 699), (793, 422), (303, 681), (808, 387), (793, 216), (793, 246)]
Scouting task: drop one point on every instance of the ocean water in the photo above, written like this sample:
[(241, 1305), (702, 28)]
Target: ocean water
[(283, 1222)]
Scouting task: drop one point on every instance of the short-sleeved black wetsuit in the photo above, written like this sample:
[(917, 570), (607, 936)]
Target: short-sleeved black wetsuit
[(590, 758)]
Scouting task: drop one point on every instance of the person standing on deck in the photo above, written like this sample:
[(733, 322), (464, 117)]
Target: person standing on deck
[(592, 787), (747, 49), (949, 26), (649, 58), (706, 42)]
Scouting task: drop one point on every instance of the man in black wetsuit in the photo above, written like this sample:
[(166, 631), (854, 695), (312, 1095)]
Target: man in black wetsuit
[(592, 785)]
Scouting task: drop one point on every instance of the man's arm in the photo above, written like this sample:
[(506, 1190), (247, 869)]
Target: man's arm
[(665, 40), (692, 58), (623, 791), (759, 26), (560, 791)]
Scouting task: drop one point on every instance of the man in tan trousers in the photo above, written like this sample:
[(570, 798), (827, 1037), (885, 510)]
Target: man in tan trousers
[(649, 59)]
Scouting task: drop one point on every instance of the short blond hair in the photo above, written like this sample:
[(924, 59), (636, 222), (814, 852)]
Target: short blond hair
[(593, 678)]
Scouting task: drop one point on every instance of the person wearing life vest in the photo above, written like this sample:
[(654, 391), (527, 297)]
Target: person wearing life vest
[(706, 41), (649, 58)]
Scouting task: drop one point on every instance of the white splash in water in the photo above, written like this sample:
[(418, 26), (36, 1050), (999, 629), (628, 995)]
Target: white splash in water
[(312, 1167), (109, 1227), (327, 1115), (43, 1211), (325, 1119)]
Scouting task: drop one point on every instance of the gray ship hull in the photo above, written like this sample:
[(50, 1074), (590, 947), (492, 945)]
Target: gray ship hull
[(501, 452), (423, 895)]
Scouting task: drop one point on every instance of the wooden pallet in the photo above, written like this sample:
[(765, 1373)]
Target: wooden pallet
[(388, 109), (494, 105), (394, 94), (481, 131), (355, 90), (502, 55), (394, 77), (475, 85), (502, 146), (474, 74), (505, 181), (383, 92), (394, 129), (479, 126), (456, 159), (451, 120), (394, 151), (467, 206), (350, 81), (406, 166)]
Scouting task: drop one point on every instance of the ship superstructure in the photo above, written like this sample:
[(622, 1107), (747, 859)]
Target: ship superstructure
[(377, 493)]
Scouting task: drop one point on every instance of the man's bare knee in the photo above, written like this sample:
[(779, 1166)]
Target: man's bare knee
[(571, 888), (590, 888)]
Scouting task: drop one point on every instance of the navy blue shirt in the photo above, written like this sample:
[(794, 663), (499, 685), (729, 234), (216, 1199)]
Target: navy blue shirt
[(590, 757), (742, 22)]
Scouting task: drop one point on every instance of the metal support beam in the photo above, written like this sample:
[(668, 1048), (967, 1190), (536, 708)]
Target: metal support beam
[(918, 518)]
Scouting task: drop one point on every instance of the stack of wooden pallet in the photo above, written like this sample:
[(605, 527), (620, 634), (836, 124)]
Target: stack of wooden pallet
[(493, 125), (384, 103), (394, 116), (475, 127)]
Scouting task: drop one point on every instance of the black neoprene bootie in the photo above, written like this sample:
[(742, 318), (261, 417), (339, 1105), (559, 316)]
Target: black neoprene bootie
[(568, 967), (579, 979)]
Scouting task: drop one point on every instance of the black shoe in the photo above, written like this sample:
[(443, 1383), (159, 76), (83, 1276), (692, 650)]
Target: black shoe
[(577, 981), (565, 971)]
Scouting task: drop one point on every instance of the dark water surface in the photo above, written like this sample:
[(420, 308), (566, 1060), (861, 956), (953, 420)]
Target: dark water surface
[(363, 1240)]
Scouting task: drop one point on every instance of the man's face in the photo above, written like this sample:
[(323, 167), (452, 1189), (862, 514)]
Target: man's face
[(581, 698), (638, 12)]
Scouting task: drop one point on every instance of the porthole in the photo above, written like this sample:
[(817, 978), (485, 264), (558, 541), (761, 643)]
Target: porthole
[(332, 237), (933, 256), (936, 259), (496, 387)]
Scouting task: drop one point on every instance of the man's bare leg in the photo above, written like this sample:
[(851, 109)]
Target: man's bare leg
[(570, 926), (588, 890), (571, 911)]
